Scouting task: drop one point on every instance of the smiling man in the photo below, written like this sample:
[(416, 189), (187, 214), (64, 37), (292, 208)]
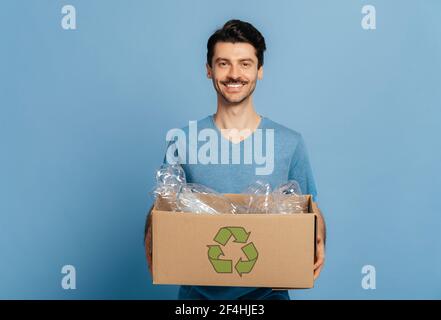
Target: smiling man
[(235, 55)]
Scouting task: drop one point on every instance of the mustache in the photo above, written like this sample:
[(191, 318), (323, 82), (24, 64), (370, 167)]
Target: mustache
[(234, 81)]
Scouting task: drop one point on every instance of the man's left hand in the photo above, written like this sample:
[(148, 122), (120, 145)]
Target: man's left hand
[(319, 257)]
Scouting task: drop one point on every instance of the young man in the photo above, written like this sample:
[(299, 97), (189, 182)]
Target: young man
[(235, 63)]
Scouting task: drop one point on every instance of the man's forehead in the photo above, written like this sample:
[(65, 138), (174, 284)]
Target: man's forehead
[(236, 51)]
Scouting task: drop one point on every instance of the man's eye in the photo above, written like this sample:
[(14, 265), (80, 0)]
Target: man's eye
[(246, 65), (222, 64)]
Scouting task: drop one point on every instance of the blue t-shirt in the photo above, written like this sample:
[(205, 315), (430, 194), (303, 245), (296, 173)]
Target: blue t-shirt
[(281, 156)]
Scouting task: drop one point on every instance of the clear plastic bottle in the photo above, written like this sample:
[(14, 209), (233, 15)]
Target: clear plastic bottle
[(289, 199), (169, 179), (259, 197), (197, 198)]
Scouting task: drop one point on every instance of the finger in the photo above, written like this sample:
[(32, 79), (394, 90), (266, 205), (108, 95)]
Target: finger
[(317, 273), (148, 252), (320, 257), (149, 259), (318, 263)]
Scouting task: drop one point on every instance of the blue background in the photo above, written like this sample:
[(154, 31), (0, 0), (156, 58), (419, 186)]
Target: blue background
[(83, 117)]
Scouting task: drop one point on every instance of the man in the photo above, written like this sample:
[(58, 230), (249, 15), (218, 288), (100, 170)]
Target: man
[(235, 63)]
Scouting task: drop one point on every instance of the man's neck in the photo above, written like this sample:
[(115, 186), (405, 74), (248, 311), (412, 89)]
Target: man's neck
[(240, 116)]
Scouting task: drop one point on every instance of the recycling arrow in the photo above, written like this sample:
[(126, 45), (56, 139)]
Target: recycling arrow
[(225, 233), (226, 266), (244, 266), (221, 266)]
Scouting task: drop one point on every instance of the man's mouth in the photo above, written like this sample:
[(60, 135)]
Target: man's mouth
[(234, 86)]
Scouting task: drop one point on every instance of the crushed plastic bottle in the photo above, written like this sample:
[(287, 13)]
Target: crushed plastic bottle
[(169, 179), (170, 174), (259, 197), (288, 198), (179, 196), (197, 198), (291, 187)]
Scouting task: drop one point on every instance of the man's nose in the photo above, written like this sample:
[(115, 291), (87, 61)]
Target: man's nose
[(234, 72)]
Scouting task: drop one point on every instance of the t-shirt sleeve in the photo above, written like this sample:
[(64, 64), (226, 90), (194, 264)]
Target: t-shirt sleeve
[(300, 170)]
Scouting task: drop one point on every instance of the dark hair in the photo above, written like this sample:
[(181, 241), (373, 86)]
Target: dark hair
[(237, 31)]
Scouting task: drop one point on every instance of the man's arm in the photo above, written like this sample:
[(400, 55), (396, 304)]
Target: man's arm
[(321, 242), (148, 239)]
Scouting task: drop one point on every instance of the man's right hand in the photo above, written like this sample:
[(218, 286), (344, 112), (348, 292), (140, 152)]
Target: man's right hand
[(148, 241)]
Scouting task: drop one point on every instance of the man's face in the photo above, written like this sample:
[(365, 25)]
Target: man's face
[(234, 71)]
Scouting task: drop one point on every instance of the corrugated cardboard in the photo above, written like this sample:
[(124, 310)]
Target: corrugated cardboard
[(281, 254)]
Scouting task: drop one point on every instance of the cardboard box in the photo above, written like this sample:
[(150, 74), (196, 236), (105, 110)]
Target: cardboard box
[(247, 250)]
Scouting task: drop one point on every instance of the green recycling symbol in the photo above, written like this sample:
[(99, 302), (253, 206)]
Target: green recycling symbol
[(226, 266)]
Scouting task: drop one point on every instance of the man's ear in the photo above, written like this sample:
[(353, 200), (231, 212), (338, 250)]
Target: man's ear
[(209, 71), (260, 73)]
